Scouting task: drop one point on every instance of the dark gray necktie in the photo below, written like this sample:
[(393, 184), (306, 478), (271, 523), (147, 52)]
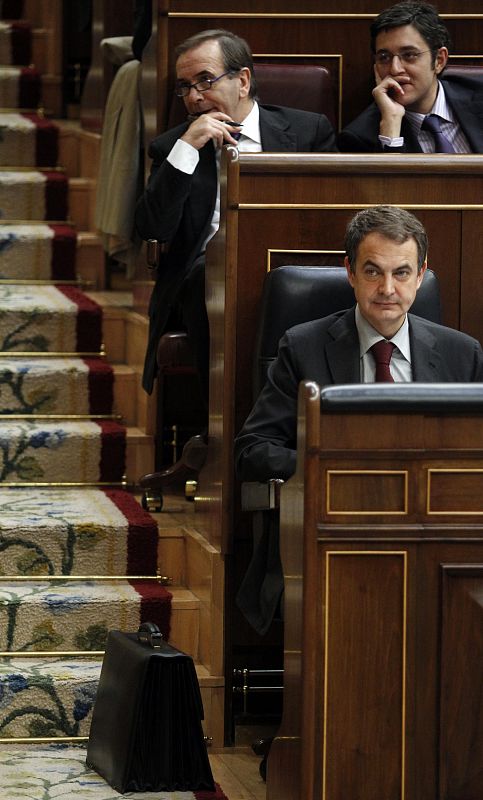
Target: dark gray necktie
[(382, 352), (432, 124)]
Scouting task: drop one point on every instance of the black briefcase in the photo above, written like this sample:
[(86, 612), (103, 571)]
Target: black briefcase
[(146, 733)]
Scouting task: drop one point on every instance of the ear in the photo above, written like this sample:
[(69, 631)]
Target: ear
[(350, 274), (245, 82), (441, 60), (421, 274)]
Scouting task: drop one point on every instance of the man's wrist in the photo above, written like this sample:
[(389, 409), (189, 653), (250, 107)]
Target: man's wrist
[(183, 156)]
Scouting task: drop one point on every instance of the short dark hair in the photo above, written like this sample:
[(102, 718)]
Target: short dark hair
[(422, 16), (390, 221), (235, 51)]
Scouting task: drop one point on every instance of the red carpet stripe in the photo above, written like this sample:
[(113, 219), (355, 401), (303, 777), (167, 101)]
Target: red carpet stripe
[(113, 451), (216, 795), (29, 92), (155, 605), (101, 384), (46, 141), (142, 545), (21, 41), (64, 247), (56, 195), (89, 320)]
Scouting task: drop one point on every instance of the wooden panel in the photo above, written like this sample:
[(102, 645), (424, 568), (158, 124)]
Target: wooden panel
[(364, 676), (342, 29), (461, 712), (366, 492)]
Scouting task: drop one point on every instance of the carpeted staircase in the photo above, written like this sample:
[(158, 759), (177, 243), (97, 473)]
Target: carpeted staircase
[(78, 555)]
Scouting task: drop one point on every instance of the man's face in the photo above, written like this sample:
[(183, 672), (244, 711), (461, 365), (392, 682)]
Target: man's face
[(228, 95), (385, 281), (419, 78)]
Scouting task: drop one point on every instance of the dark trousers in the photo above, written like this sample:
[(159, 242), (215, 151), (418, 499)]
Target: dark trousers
[(191, 309)]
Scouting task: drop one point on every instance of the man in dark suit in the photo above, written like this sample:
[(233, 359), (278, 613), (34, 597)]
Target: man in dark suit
[(180, 206), (385, 261), (416, 108)]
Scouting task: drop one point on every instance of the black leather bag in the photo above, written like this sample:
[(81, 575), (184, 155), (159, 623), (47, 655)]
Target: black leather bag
[(146, 733)]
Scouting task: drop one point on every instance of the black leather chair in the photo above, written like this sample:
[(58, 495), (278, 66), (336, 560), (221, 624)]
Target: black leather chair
[(309, 87)]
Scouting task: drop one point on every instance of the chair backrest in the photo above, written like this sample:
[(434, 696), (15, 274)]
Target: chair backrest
[(295, 294), (308, 87), (464, 70)]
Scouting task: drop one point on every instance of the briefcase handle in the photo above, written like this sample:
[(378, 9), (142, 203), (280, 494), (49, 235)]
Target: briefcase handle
[(149, 633)]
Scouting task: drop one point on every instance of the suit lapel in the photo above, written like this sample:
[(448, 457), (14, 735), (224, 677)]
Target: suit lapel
[(342, 352), (468, 109), (275, 133), (426, 360)]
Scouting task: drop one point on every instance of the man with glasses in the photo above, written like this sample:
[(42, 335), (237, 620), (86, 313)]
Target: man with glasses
[(181, 203), (416, 109)]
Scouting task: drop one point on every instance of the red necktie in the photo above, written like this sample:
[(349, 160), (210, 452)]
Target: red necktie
[(382, 352)]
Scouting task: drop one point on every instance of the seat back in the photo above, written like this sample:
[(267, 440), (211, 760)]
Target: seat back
[(463, 70), (295, 294), (308, 87)]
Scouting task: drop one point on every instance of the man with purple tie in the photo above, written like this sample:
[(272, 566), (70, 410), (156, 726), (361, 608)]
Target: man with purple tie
[(416, 107)]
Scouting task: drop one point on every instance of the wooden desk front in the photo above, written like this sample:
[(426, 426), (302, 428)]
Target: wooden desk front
[(382, 546)]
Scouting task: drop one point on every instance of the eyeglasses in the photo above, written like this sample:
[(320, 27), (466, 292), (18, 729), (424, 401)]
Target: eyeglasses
[(384, 57), (183, 89)]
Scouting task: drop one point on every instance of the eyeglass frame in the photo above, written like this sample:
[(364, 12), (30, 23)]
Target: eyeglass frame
[(187, 87), (404, 57)]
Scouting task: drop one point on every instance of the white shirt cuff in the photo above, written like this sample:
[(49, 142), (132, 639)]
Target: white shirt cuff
[(398, 141), (183, 156)]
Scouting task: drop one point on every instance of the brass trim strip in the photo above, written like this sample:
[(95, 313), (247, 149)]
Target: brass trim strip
[(338, 206), (404, 555), (267, 15), (431, 513), (52, 654), (46, 739), (32, 169), (97, 578), (41, 354), (288, 250), (403, 472), (59, 484), (6, 417)]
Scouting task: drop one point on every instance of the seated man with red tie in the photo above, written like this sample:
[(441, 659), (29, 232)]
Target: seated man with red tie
[(416, 108), (376, 340)]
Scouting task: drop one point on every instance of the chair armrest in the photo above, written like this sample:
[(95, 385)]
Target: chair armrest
[(256, 496), (154, 249)]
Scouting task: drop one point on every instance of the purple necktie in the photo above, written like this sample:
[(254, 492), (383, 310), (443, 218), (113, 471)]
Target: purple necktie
[(432, 124), (382, 352)]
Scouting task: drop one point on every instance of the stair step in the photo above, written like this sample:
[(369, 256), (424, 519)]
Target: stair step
[(38, 252), (32, 195), (62, 452), (28, 140), (80, 532), (48, 319), (56, 386), (91, 260), (66, 616), (54, 696)]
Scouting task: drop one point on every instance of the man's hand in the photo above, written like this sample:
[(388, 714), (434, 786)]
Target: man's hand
[(214, 125), (385, 95)]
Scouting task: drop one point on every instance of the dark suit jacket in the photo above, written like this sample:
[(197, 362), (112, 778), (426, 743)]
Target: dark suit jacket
[(177, 208), (465, 96), (325, 351)]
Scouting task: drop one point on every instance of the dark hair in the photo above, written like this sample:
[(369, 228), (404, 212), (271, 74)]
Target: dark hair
[(235, 51), (390, 221), (422, 16)]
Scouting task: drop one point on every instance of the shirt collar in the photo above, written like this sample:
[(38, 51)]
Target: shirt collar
[(440, 107), (369, 336), (251, 125)]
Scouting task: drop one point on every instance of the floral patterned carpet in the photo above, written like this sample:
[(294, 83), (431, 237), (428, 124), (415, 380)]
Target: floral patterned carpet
[(58, 771)]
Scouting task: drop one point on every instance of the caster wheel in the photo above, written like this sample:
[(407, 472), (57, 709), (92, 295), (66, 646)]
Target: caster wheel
[(152, 501)]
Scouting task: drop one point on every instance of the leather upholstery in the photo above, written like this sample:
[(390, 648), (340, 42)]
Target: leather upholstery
[(295, 294), (309, 87)]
